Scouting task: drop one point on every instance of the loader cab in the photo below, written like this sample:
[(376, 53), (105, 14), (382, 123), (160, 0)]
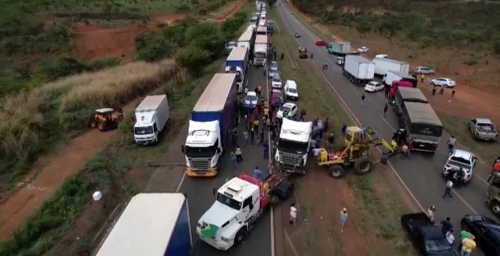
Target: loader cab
[(353, 136), (493, 194), (106, 119)]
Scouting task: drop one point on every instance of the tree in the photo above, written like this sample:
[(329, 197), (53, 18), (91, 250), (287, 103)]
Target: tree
[(363, 27), (388, 29), (207, 36), (271, 3), (195, 59)]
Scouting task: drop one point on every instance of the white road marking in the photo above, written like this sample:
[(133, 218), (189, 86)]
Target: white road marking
[(290, 242), (180, 182)]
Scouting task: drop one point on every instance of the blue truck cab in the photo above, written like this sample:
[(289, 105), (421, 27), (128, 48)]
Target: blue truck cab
[(153, 224)]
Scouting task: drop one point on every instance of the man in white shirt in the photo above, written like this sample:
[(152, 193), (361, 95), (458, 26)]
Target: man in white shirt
[(447, 191), (449, 237), (316, 152), (293, 214), (430, 213), (451, 143)]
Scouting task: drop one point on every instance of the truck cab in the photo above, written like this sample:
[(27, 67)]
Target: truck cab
[(203, 147), (293, 145), (238, 204)]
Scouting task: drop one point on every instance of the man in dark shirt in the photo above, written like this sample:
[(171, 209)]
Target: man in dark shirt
[(446, 225)]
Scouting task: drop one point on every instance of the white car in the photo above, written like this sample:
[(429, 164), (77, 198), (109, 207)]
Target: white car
[(363, 49), (251, 98), (460, 164), (289, 107), (291, 90), (374, 86), (443, 82), (382, 56), (276, 82)]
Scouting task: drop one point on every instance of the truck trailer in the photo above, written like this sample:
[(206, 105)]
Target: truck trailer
[(383, 65), (247, 40), (151, 118), (392, 76), (153, 224), (358, 69), (236, 63), (260, 50), (209, 125), (423, 126), (339, 48), (407, 94)]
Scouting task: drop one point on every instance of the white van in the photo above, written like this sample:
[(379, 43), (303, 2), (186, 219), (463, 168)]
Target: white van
[(291, 91)]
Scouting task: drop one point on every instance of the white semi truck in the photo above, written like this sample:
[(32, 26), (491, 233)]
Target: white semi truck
[(293, 146), (240, 202), (358, 69), (260, 50), (209, 126), (236, 63), (151, 118)]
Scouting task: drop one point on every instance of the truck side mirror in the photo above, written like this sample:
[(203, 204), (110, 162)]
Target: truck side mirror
[(218, 150), (183, 149), (250, 206)]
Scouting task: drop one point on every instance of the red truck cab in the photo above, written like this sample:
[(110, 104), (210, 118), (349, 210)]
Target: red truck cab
[(397, 84)]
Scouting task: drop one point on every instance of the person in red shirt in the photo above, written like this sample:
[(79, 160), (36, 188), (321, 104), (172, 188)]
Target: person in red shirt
[(410, 147)]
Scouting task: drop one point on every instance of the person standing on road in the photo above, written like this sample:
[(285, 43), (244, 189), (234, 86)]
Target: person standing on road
[(239, 158), (245, 137), (404, 152), (282, 55), (234, 159), (257, 173), (363, 100), (293, 214), (410, 147), (386, 107), (450, 238), (446, 225), (343, 219), (451, 143), (312, 55), (468, 244), (441, 91), (343, 129), (434, 91), (430, 213), (447, 191), (387, 90), (265, 149), (235, 136)]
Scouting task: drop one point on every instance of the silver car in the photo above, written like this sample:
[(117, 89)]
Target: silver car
[(422, 70), (483, 129)]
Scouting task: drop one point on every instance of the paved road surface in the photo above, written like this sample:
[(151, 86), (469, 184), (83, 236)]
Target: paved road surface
[(199, 191), (421, 174)]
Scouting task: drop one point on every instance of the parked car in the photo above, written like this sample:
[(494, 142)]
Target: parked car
[(291, 90), (251, 98), (426, 237), (374, 86), (363, 49), (424, 70), (276, 82), (276, 96), (229, 47), (273, 68), (382, 56), (460, 166), (486, 232), (296, 35), (483, 129), (443, 82), (320, 43), (289, 108), (340, 61)]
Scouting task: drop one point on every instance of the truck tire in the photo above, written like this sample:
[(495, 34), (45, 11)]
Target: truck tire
[(495, 207), (241, 235), (284, 190), (363, 165), (102, 126), (336, 171)]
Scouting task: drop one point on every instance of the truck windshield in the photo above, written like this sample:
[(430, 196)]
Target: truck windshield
[(143, 130), (261, 55), (293, 147), (426, 130), (437, 245), (223, 199), (200, 151), (292, 90)]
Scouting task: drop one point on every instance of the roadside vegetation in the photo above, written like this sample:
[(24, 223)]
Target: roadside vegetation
[(120, 169), (373, 204)]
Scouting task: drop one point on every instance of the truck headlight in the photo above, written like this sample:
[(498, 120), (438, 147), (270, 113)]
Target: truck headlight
[(225, 239)]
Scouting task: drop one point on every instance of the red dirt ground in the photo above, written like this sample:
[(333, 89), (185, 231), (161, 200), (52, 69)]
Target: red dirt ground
[(56, 169), (92, 41), (226, 12)]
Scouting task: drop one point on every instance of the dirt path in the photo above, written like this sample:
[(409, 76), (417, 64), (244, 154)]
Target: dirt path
[(226, 12), (57, 168)]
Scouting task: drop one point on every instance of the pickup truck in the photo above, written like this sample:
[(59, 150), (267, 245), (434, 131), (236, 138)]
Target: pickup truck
[(426, 237), (483, 129)]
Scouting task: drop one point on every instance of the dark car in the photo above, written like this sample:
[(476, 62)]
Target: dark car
[(486, 231), (297, 35), (426, 237)]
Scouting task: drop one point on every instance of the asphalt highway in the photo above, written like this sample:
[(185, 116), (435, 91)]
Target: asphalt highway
[(422, 173), (199, 190)]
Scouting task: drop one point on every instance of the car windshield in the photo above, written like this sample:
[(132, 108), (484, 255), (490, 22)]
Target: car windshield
[(231, 44), (485, 125), (276, 80), (143, 130), (274, 68), (437, 245), (251, 98), (200, 151), (223, 199), (459, 162), (276, 95), (292, 90), (293, 147), (286, 108), (260, 55)]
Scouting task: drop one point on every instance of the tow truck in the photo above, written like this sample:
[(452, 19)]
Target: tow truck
[(240, 202)]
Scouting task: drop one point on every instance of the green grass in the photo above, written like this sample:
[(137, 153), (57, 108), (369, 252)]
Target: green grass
[(383, 207), (106, 172)]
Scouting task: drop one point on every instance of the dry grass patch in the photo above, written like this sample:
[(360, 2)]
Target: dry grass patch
[(35, 121)]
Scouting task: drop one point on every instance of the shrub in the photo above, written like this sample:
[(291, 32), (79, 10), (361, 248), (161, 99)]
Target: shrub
[(156, 51), (195, 59), (64, 66)]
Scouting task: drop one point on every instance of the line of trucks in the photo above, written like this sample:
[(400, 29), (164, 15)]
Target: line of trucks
[(415, 113)]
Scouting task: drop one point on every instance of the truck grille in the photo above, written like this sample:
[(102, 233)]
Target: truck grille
[(424, 146), (200, 165), (290, 159)]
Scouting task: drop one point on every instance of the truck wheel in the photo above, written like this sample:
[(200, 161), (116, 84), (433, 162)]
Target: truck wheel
[(102, 126), (336, 171), (495, 207), (92, 124), (241, 235), (362, 166)]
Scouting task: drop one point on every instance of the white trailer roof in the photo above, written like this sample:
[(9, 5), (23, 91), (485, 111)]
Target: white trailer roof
[(215, 95), (145, 227), (150, 103), (261, 39), (262, 29), (389, 60), (357, 58), (246, 36), (237, 53)]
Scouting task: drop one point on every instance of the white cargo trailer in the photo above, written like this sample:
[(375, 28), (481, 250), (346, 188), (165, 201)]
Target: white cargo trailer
[(358, 69), (151, 117), (382, 65)]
